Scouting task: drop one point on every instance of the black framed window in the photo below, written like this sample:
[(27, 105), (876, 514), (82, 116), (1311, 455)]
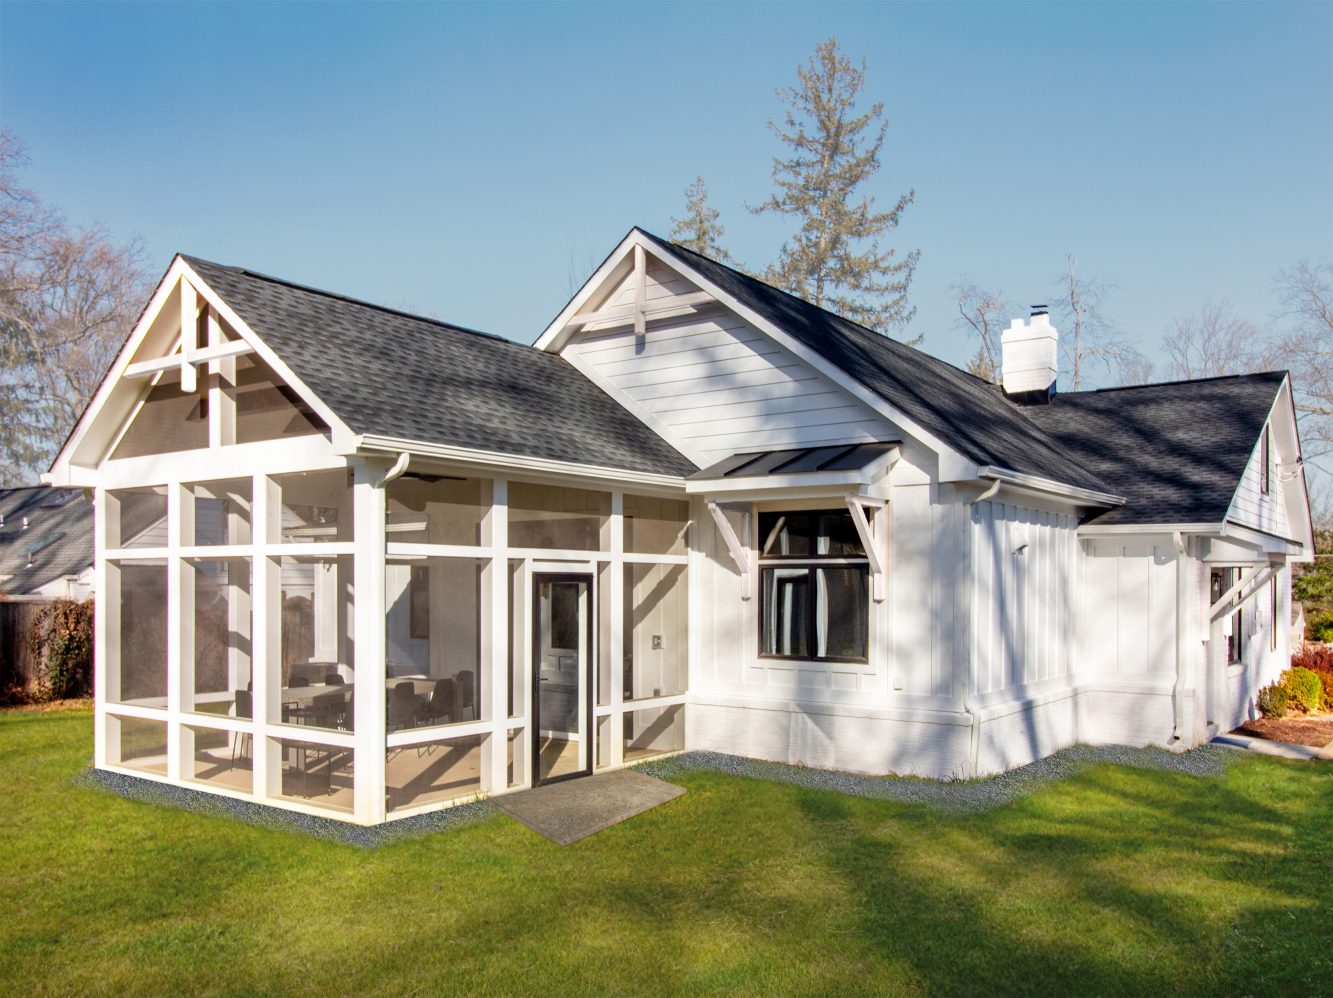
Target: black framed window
[(815, 585)]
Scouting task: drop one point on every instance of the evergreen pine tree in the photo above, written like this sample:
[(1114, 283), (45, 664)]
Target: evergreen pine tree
[(699, 229), (834, 260)]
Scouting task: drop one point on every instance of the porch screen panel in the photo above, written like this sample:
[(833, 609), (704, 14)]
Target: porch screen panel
[(267, 409), (141, 517), (433, 772), (653, 731), (169, 420), (142, 650), (655, 526), (557, 518), (433, 509), (221, 512), (318, 652), (219, 758), (436, 632), (222, 651), (656, 630), (314, 774), (316, 506), (140, 744)]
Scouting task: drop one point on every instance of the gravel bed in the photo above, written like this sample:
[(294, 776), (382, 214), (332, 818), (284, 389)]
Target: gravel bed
[(263, 816), (952, 795)]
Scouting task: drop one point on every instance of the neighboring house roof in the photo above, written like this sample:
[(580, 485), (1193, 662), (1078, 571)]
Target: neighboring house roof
[(964, 411), (387, 373), (57, 541), (1176, 451)]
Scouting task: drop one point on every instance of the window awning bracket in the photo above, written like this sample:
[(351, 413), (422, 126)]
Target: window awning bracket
[(738, 546), (856, 505)]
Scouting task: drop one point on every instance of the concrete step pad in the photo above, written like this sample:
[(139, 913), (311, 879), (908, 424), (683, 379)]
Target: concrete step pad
[(574, 809)]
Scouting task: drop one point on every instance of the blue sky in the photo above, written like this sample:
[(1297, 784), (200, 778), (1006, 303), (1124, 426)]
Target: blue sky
[(465, 160)]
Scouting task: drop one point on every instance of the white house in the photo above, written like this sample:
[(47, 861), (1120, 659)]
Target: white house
[(360, 563)]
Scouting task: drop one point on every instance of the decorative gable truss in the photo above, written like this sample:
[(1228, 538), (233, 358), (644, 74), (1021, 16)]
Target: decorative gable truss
[(191, 376), (711, 375)]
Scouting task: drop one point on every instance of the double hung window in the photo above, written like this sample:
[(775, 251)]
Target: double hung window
[(815, 583)]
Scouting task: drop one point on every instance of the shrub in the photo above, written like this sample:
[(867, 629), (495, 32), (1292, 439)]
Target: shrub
[(1272, 701), (1319, 660), (62, 639), (1303, 688), (1319, 625)]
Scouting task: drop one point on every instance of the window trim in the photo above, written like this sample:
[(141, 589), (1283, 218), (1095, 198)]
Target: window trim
[(812, 564)]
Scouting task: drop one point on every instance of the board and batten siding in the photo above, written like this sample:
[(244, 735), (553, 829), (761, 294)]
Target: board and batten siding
[(1128, 612), (1250, 507), (718, 383), (1024, 575)]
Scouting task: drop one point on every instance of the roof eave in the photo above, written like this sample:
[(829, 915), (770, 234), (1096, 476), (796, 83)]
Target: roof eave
[(1046, 486)]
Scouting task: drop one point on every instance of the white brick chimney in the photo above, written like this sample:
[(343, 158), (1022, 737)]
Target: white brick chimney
[(1029, 357)]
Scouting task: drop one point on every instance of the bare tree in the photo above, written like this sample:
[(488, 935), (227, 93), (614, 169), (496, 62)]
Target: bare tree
[(1090, 334), (1306, 295), (1212, 342), (68, 298), (982, 314)]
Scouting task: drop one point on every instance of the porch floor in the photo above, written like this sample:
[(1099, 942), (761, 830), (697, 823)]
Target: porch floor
[(574, 809)]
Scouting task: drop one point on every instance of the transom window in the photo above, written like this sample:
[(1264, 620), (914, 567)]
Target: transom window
[(815, 583)]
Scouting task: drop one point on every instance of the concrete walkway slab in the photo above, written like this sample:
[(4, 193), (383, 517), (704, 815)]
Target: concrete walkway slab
[(574, 809)]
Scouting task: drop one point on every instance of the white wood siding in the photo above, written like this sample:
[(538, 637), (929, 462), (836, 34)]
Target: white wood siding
[(718, 383), (1024, 601), (1250, 507), (1128, 611)]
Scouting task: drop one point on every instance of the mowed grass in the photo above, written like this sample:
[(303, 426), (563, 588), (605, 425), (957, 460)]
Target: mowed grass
[(1118, 881)]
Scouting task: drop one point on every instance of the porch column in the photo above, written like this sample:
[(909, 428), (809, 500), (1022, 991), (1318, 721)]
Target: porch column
[(180, 522), (265, 634), (495, 699), (616, 653), (106, 619), (368, 634)]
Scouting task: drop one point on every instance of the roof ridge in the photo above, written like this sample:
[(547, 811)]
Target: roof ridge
[(336, 296), (1178, 381)]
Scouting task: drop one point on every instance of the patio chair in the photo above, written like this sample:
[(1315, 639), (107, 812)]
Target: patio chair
[(440, 703), (333, 679), (403, 708)]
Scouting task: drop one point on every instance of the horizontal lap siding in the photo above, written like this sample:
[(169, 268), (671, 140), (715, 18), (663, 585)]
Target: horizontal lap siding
[(718, 383), (1251, 507)]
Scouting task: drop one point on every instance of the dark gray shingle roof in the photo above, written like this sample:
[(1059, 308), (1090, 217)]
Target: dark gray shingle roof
[(388, 373), (1176, 451), (964, 411), (59, 537)]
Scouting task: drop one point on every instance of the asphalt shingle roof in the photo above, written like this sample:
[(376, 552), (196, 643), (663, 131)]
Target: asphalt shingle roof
[(960, 409), (1175, 451), (60, 537), (391, 374)]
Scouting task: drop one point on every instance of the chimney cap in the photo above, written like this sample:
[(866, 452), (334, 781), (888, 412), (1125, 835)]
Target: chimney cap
[(1039, 309)]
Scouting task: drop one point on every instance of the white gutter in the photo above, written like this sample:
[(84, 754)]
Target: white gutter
[(1048, 487), (974, 730), (369, 444), (396, 471)]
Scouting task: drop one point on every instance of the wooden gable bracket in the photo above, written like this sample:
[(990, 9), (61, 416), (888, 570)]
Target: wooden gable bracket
[(739, 548), (191, 355), (641, 312), (857, 506), (1249, 584)]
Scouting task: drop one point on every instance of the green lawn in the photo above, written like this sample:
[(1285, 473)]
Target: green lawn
[(1116, 881)]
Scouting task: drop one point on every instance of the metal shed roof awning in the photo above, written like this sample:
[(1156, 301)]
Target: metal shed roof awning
[(836, 465)]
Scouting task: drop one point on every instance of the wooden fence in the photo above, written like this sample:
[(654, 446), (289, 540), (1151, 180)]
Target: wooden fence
[(19, 667)]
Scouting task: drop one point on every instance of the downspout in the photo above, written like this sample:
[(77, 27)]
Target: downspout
[(1182, 639), (974, 729), (396, 471)]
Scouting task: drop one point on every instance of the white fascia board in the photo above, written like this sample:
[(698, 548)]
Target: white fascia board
[(556, 335), (1262, 539), (776, 483), (1047, 487), (264, 350), (492, 461), (64, 473), (559, 332)]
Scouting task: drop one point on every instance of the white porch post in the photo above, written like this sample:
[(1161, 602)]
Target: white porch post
[(495, 701), (106, 620), (368, 632), (265, 633), (178, 513), (616, 653)]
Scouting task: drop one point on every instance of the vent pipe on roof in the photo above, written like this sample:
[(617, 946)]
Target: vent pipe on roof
[(1029, 358)]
